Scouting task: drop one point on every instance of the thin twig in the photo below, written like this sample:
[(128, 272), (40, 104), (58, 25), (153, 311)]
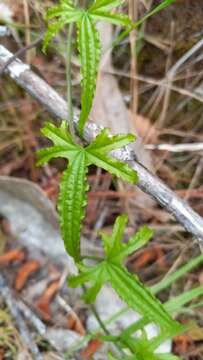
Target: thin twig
[(176, 147), (149, 183), (21, 52)]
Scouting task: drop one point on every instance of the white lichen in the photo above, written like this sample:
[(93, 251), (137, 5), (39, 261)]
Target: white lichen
[(16, 68)]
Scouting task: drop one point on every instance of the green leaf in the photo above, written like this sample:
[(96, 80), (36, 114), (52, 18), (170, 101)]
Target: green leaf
[(115, 244), (104, 143), (67, 2), (60, 136), (138, 297), (105, 5), (89, 49), (97, 155), (135, 242), (115, 167), (45, 155), (173, 305), (116, 19), (86, 274), (63, 144), (115, 249), (59, 11), (73, 187), (167, 357), (55, 27), (96, 275), (92, 292), (179, 301), (72, 199)]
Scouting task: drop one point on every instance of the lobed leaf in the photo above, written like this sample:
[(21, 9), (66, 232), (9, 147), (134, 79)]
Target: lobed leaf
[(105, 5), (54, 11), (52, 30), (67, 2), (97, 155), (104, 143), (55, 27), (89, 48), (44, 155), (72, 199), (96, 275), (115, 244), (92, 292), (138, 297), (63, 144), (60, 136), (106, 240), (135, 242), (172, 305), (86, 274), (60, 11), (116, 19), (74, 184), (115, 167)]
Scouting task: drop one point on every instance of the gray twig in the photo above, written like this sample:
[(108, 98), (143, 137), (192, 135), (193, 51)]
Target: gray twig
[(57, 106)]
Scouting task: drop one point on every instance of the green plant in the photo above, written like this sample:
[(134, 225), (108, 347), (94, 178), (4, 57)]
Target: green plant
[(74, 186), (72, 198), (88, 42)]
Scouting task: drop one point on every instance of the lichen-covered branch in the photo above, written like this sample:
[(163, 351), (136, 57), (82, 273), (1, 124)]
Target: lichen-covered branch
[(149, 183)]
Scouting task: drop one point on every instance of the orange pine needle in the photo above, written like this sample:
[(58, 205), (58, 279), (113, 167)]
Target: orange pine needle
[(24, 272), (75, 324), (11, 256), (43, 304), (91, 348)]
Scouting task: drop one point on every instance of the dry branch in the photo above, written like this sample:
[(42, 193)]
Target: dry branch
[(150, 184)]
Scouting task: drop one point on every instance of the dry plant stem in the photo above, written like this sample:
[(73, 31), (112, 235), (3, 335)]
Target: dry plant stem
[(12, 305), (32, 318), (176, 147), (27, 31), (161, 83), (133, 5), (57, 106)]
